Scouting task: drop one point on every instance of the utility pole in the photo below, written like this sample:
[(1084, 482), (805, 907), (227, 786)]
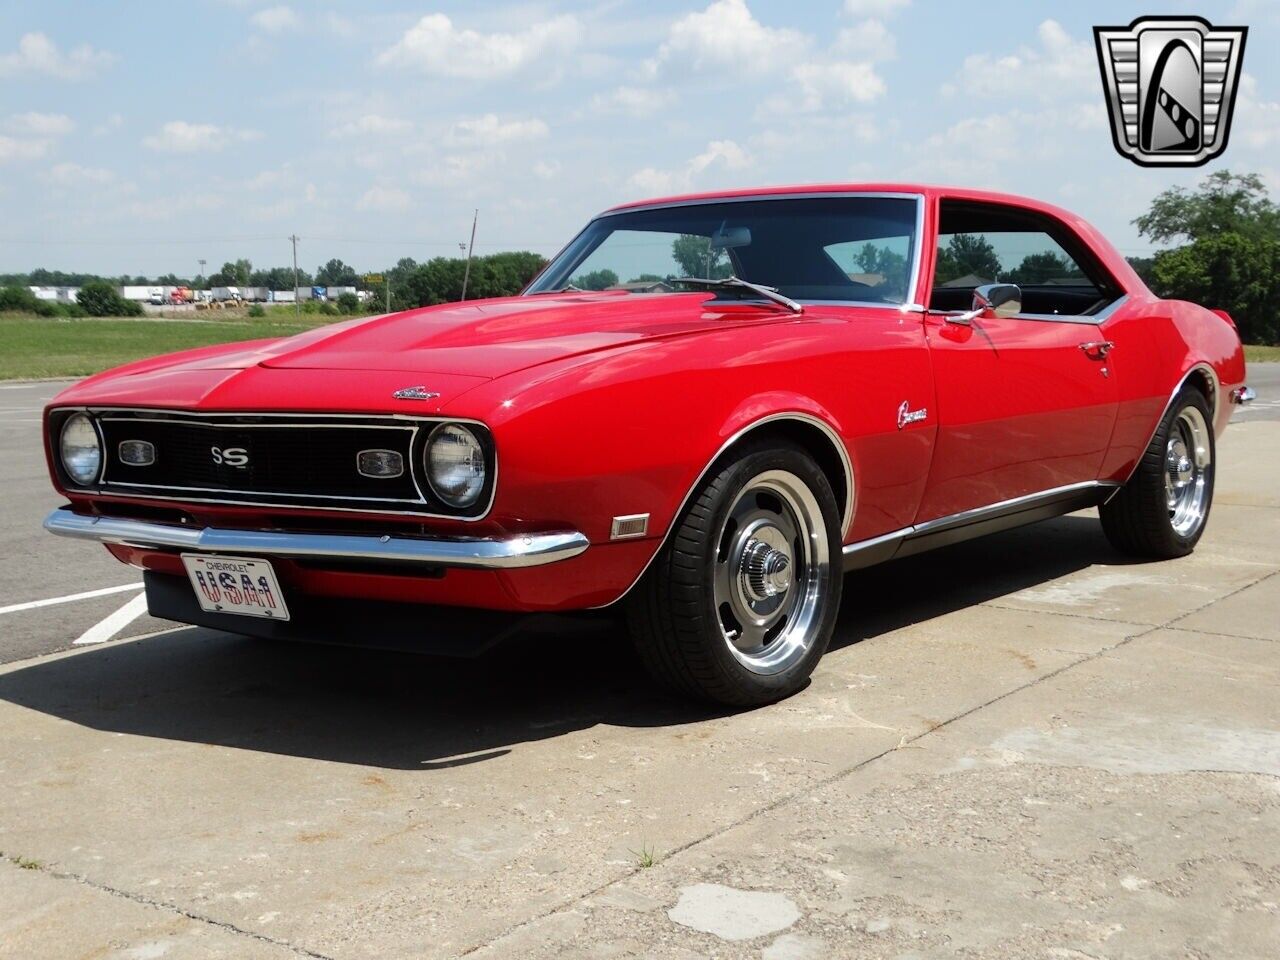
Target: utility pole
[(466, 273), (297, 310)]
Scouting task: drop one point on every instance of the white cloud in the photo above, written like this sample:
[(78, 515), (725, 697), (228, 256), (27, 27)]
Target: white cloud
[(456, 169), (276, 19), (841, 82), (726, 35), (435, 46), (873, 8), (1059, 68), (546, 169), (372, 125), (38, 54), (178, 136), (722, 153), (632, 101), (74, 175), (1258, 121), (488, 131), (868, 40), (380, 199), (13, 148), (41, 124)]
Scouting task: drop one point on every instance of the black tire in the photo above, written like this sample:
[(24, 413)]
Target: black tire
[(674, 618), (1139, 520)]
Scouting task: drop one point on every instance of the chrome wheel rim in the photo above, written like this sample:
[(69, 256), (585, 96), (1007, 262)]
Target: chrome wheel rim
[(772, 558), (1187, 462)]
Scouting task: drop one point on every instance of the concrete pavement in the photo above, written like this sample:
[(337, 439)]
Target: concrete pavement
[(1020, 746)]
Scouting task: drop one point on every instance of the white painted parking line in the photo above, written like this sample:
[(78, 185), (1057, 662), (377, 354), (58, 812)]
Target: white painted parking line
[(105, 629), (87, 595)]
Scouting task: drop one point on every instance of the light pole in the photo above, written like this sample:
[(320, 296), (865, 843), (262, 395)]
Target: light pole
[(201, 277), (466, 273), (296, 308)]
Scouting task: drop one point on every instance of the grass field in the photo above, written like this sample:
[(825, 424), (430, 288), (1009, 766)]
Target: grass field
[(35, 347), (1259, 354)]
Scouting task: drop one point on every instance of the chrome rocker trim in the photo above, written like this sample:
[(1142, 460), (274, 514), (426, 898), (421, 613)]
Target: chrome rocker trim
[(484, 554), (977, 522)]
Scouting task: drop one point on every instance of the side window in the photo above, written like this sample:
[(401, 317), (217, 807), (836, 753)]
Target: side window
[(985, 243)]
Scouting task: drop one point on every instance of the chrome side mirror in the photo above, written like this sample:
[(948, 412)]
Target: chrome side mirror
[(992, 300)]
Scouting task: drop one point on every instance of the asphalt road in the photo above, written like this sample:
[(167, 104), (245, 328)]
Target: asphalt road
[(37, 567)]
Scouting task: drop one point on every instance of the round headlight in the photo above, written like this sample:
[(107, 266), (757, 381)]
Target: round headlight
[(455, 465), (80, 449)]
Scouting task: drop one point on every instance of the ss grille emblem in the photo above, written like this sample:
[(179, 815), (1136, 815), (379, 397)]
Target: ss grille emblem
[(231, 456), (1171, 86)]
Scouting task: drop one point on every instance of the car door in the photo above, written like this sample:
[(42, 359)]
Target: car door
[(1025, 403)]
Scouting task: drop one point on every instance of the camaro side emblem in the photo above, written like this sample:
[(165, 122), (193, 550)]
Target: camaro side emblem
[(231, 456), (1170, 84), (415, 393), (907, 415)]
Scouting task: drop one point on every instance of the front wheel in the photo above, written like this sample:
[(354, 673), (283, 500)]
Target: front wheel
[(741, 601), (1161, 512)]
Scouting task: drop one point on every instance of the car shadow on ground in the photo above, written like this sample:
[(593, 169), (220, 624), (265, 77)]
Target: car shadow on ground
[(400, 711)]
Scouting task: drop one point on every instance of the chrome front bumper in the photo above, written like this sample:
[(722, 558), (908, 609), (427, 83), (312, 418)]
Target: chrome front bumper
[(485, 554)]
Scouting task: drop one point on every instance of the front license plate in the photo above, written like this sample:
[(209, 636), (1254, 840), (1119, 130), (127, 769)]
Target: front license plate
[(235, 585)]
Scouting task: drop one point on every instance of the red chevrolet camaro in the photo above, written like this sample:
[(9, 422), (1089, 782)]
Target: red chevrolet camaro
[(702, 412)]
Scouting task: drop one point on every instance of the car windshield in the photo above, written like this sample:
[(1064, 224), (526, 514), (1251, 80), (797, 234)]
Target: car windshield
[(849, 248)]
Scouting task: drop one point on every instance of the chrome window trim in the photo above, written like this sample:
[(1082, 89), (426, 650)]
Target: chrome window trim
[(917, 261), (520, 550), (201, 418), (1094, 319), (808, 418)]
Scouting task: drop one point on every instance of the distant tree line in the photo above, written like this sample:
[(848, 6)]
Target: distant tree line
[(413, 284)]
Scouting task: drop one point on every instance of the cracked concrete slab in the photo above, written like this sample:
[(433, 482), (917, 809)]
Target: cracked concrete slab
[(46, 916), (1005, 835)]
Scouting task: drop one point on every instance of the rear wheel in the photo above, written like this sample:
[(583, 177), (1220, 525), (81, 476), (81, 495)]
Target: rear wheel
[(1161, 512), (740, 603)]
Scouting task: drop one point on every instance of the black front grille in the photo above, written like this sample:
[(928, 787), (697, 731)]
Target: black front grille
[(272, 459)]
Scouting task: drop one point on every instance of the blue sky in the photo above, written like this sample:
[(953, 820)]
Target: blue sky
[(139, 136)]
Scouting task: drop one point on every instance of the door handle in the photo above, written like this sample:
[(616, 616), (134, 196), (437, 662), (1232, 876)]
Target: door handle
[(1098, 348)]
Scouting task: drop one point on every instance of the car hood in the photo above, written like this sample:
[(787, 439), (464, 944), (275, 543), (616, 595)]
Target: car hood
[(490, 338), (448, 350)]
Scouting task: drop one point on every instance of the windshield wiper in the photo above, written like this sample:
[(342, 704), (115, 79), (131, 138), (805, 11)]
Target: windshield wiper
[(737, 283)]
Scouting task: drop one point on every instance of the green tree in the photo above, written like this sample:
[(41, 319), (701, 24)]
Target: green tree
[(596, 280), (1223, 202), (348, 303), (876, 259), (1231, 272), (696, 258), (100, 299), (233, 274), (1040, 268), (335, 273), (966, 254), (1143, 266), (1232, 259)]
